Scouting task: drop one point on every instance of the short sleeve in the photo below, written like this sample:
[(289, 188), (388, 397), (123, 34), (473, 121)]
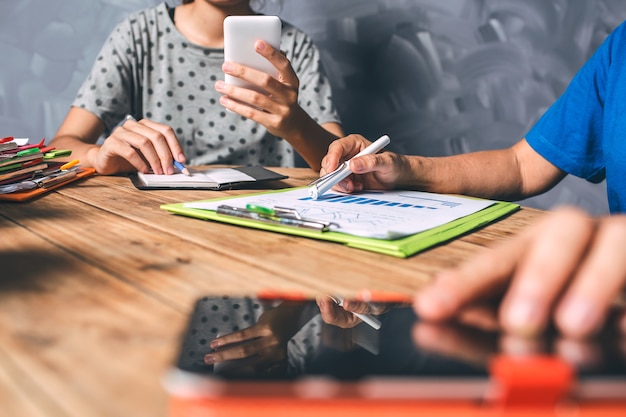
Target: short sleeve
[(112, 88), (570, 133)]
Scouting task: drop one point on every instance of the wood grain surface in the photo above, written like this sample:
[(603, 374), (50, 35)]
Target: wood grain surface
[(96, 283)]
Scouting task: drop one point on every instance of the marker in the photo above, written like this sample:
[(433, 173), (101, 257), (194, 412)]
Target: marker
[(70, 164), (182, 168), (255, 208), (28, 151), (275, 218), (328, 181)]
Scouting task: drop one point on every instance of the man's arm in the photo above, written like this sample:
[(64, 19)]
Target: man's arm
[(508, 174)]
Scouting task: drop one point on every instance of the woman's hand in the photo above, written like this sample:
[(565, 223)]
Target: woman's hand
[(261, 346), (278, 110), (138, 145)]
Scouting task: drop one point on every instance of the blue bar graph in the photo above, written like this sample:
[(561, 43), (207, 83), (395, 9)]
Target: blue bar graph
[(343, 199)]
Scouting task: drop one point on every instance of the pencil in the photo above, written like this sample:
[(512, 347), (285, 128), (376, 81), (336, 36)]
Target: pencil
[(182, 168)]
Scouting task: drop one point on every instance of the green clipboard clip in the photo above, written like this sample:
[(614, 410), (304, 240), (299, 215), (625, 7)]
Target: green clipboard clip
[(57, 153)]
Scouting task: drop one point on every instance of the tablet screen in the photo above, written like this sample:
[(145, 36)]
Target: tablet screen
[(289, 341)]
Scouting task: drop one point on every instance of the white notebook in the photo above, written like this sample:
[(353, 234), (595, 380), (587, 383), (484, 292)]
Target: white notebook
[(207, 178)]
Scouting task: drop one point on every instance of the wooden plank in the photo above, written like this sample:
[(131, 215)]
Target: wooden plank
[(96, 283), (297, 177), (187, 256), (266, 254), (91, 344), (21, 396)]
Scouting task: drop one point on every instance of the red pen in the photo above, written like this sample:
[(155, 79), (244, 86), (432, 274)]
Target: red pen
[(46, 149), (37, 145), (7, 139)]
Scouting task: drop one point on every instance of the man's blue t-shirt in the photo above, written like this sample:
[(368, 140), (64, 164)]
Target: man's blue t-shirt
[(584, 132)]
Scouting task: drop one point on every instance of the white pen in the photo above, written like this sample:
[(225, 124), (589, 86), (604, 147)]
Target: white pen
[(328, 181)]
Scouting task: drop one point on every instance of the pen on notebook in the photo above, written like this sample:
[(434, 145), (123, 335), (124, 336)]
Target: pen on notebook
[(328, 181), (178, 165), (182, 168)]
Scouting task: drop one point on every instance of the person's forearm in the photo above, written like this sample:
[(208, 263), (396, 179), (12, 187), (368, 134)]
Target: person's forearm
[(311, 140), (487, 174), (80, 149)]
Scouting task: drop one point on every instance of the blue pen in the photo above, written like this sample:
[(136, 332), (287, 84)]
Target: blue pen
[(182, 168), (177, 164)]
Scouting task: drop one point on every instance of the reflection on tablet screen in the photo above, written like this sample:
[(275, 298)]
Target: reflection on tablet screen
[(287, 341)]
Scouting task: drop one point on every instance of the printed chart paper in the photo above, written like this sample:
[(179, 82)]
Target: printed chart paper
[(373, 214)]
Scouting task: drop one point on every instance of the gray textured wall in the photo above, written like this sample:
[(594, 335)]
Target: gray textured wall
[(440, 76)]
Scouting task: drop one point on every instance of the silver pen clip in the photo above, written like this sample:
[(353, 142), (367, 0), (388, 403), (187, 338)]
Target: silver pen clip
[(56, 177), (278, 215)]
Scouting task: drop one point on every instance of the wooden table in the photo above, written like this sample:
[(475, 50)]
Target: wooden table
[(97, 282)]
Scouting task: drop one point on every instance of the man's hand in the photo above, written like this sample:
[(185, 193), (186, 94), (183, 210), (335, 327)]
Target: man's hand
[(381, 171), (568, 269)]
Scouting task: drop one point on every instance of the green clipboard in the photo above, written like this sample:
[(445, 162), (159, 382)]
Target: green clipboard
[(402, 248)]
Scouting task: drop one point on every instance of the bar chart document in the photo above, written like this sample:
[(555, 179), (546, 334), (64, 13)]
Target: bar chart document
[(372, 214)]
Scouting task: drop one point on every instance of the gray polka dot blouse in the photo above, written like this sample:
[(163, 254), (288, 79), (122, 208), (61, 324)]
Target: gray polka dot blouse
[(149, 70)]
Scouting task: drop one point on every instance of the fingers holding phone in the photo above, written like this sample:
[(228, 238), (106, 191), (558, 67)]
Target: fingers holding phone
[(260, 83), (241, 34), (255, 86)]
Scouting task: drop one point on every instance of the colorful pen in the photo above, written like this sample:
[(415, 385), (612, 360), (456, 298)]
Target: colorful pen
[(69, 164), (182, 168), (28, 151), (277, 216)]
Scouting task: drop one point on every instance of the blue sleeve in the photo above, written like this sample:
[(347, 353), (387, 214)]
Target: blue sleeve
[(570, 133)]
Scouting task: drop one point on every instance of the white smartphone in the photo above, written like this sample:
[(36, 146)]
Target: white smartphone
[(240, 34)]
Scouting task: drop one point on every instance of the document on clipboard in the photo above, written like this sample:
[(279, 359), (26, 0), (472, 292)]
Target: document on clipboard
[(398, 223)]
